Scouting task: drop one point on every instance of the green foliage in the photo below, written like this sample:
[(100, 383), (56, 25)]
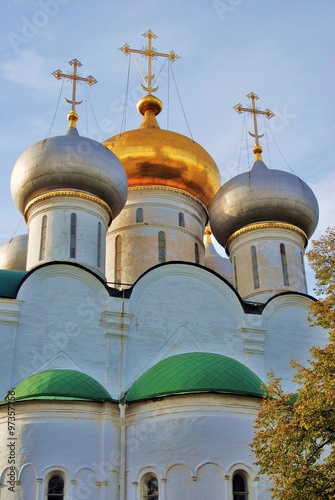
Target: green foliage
[(322, 259), (295, 433)]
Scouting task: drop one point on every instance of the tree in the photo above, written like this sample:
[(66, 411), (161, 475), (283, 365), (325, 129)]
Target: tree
[(295, 433)]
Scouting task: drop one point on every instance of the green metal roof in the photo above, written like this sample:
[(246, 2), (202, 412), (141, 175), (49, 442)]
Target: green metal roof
[(196, 372), (9, 282), (61, 385)]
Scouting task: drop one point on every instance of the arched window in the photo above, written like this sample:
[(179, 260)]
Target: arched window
[(235, 274), (284, 264), (150, 487), (73, 235), (118, 251), (303, 270), (99, 245), (161, 247), (196, 253), (43, 237), (254, 266), (56, 487), (240, 486), (181, 219), (139, 215)]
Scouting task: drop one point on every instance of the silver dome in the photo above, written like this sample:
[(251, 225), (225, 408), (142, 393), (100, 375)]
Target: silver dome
[(69, 162), (263, 195), (13, 254)]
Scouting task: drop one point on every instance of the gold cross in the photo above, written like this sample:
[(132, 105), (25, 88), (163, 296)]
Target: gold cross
[(257, 149), (73, 117), (149, 53)]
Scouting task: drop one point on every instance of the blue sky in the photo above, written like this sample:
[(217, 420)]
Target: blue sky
[(283, 50)]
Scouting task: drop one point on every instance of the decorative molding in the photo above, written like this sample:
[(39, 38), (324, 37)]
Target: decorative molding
[(67, 192), (169, 188), (9, 312), (253, 340), (266, 225), (115, 323)]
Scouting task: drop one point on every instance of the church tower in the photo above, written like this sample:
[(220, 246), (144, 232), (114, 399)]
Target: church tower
[(69, 188), (172, 181), (264, 219)]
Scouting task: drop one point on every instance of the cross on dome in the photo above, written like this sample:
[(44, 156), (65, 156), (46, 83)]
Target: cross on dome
[(257, 149), (149, 52), (73, 116)]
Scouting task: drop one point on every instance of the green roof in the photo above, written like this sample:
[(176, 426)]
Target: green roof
[(10, 281), (196, 372), (61, 385)]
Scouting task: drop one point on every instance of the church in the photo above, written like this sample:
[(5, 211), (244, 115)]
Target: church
[(132, 352)]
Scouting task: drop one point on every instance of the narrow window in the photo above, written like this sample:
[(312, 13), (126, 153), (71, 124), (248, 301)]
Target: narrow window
[(196, 253), (99, 245), (161, 247), (150, 488), (303, 270), (43, 237), (254, 267), (139, 215), (284, 264), (235, 273), (181, 218), (56, 488), (240, 488), (118, 250), (73, 235)]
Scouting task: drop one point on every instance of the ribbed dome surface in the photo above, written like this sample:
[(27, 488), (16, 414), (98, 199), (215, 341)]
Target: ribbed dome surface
[(69, 162), (61, 385), (263, 195), (155, 157), (196, 372)]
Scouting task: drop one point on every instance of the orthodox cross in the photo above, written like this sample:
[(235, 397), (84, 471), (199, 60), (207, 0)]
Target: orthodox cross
[(149, 52), (75, 78), (257, 149)]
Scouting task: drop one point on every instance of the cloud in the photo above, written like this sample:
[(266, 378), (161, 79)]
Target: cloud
[(28, 69)]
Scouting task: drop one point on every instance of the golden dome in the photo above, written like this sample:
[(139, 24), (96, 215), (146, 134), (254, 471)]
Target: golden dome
[(155, 157)]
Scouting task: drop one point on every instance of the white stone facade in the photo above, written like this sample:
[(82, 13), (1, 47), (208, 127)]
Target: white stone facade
[(64, 317)]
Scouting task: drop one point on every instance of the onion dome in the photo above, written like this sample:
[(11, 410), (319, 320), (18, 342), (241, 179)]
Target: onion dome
[(13, 254), (263, 195), (194, 373), (69, 162), (155, 157), (61, 385)]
